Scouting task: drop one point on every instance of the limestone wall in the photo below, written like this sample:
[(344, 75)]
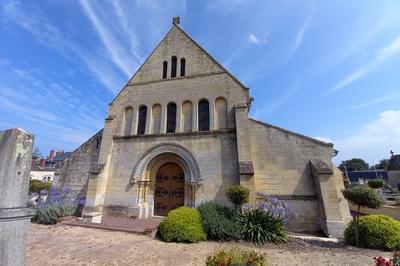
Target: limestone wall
[(281, 167), (74, 169), (215, 153)]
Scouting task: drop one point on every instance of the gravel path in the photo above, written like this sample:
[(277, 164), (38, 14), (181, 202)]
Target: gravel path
[(65, 245)]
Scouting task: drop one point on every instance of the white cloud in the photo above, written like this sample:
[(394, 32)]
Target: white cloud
[(374, 140), (253, 39), (382, 55), (375, 101)]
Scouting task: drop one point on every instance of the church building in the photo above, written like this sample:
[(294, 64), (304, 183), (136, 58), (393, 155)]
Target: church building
[(179, 134)]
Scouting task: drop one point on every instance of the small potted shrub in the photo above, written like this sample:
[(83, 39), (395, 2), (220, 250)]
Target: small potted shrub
[(238, 195), (376, 183)]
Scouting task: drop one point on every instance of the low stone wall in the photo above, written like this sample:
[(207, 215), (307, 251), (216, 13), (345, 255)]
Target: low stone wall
[(392, 211)]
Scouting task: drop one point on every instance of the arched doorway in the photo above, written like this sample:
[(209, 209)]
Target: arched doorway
[(169, 192)]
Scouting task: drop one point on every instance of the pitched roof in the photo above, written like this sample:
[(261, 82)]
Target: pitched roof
[(175, 26)]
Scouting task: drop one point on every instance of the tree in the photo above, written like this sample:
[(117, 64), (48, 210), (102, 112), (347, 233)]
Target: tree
[(362, 197), (355, 164), (383, 164)]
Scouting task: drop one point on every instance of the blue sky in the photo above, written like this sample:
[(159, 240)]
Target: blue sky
[(326, 69)]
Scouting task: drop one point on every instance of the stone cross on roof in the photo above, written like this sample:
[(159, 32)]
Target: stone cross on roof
[(176, 20)]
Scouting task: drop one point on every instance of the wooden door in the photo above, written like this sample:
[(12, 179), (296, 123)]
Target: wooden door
[(169, 191)]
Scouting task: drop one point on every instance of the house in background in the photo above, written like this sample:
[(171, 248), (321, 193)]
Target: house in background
[(362, 176), (45, 169)]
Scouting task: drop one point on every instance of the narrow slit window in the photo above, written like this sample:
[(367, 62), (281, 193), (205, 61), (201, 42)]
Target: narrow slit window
[(183, 67), (173, 66), (142, 120), (165, 69), (171, 118)]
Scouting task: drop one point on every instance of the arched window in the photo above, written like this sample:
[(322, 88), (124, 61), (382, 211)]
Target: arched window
[(204, 115), (173, 66), (221, 113), (128, 119), (187, 116), (165, 69), (183, 67), (142, 120), (156, 119), (171, 118)]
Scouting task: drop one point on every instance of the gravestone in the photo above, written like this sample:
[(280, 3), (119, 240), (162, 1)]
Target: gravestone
[(15, 164)]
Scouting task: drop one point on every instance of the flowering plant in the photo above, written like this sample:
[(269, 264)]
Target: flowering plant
[(381, 261), (275, 207), (396, 258)]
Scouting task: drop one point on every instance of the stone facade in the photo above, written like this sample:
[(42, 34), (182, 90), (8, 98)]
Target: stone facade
[(196, 116)]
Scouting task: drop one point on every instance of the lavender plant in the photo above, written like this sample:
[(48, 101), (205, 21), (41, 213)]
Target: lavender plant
[(54, 204)]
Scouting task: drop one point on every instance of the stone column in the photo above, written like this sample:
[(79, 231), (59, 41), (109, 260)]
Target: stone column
[(195, 116), (178, 127), (148, 120), (163, 127), (212, 115), (15, 165), (246, 170)]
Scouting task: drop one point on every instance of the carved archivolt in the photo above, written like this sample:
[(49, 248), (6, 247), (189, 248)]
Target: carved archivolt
[(164, 148)]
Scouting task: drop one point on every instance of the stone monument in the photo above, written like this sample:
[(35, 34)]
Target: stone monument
[(15, 163)]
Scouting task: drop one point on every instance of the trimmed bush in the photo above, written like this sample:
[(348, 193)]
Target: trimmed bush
[(182, 225), (235, 257), (219, 221), (37, 185), (238, 195), (376, 183), (376, 231), (259, 227)]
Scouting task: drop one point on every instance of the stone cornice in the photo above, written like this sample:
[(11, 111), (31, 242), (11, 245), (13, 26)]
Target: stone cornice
[(181, 134)]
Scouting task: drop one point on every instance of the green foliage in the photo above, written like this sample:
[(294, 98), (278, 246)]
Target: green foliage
[(238, 194), (47, 215), (383, 164), (259, 227), (235, 257), (354, 164), (376, 183), (364, 197), (182, 225), (396, 258), (376, 231), (219, 221), (37, 186)]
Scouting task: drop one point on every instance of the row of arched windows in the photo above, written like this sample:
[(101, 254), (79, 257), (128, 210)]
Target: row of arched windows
[(185, 118), (174, 66)]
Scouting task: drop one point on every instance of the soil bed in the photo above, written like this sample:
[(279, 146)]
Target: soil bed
[(67, 245)]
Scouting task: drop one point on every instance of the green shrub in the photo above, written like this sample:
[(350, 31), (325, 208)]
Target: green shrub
[(259, 227), (47, 214), (376, 183), (238, 195), (37, 186), (182, 225), (235, 257), (376, 231), (219, 221)]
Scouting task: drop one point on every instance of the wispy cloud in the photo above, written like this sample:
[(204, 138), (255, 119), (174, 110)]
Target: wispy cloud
[(374, 140), (376, 101), (251, 38), (31, 19), (271, 107), (114, 48), (381, 56)]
